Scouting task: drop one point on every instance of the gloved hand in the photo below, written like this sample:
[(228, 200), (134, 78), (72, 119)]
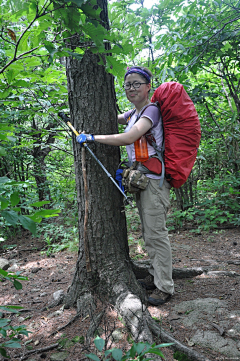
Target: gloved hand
[(85, 138)]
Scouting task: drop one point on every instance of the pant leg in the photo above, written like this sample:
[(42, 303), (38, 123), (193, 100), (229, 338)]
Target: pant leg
[(153, 204)]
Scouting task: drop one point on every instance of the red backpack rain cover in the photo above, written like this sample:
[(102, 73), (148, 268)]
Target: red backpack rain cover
[(182, 131)]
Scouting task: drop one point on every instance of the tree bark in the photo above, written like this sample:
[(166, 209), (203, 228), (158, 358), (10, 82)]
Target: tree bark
[(92, 104)]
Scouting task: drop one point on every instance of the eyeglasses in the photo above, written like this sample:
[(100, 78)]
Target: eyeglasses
[(135, 85)]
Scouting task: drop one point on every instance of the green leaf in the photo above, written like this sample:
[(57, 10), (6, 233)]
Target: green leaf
[(99, 343), (4, 202), (163, 76), (10, 216), (2, 152), (13, 344), (3, 137), (140, 347), (165, 345), (28, 223), (3, 273), (51, 49), (14, 198), (115, 66), (171, 73), (17, 285), (156, 352), (47, 213), (12, 309), (4, 180), (39, 204), (3, 332), (92, 357), (132, 350), (3, 352), (78, 2), (107, 352), (234, 117), (90, 11), (117, 354), (4, 322), (74, 55)]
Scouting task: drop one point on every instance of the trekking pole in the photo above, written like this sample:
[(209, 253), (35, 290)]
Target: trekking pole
[(67, 121)]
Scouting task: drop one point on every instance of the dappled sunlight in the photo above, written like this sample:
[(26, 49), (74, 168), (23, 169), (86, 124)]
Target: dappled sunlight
[(44, 262), (44, 324), (139, 249), (235, 316), (158, 314), (237, 255), (8, 300)]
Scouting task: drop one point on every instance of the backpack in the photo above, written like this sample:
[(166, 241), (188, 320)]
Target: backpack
[(182, 132)]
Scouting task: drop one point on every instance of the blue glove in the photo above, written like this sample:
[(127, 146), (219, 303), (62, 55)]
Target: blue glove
[(118, 177), (85, 138)]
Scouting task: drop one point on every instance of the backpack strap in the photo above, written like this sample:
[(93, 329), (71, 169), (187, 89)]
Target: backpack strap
[(130, 116), (152, 141)]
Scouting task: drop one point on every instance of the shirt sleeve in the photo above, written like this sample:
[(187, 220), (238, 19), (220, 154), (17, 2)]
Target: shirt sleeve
[(153, 114)]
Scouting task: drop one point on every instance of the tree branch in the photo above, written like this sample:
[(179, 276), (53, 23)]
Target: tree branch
[(17, 58)]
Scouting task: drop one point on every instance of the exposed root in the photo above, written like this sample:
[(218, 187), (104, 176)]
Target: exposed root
[(43, 349), (165, 337), (134, 313), (95, 322), (86, 305), (140, 268), (55, 303), (66, 325)]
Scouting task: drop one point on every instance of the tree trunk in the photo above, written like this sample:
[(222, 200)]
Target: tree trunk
[(41, 179), (93, 110)]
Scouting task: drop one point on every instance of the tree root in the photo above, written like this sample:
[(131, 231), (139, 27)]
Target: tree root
[(55, 303), (43, 349), (134, 313), (140, 268), (165, 337), (95, 322), (66, 325)]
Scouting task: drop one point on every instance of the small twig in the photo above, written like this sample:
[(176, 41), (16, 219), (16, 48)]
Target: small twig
[(29, 249), (220, 329)]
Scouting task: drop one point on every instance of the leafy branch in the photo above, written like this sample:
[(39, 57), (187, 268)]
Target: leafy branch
[(36, 17)]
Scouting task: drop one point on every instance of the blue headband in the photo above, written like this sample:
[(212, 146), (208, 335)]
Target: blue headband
[(140, 72)]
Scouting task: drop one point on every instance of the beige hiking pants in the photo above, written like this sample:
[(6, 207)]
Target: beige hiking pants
[(153, 203)]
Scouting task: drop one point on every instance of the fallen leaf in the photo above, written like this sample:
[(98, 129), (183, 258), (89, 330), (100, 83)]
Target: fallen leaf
[(12, 35)]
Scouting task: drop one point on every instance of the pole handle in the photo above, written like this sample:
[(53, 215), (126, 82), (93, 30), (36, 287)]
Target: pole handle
[(67, 121)]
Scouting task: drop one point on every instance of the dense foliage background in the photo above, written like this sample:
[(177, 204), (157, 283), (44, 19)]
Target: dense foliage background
[(194, 42)]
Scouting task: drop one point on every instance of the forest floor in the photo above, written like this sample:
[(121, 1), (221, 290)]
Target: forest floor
[(219, 250)]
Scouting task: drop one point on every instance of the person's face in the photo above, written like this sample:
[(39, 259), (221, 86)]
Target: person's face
[(140, 94)]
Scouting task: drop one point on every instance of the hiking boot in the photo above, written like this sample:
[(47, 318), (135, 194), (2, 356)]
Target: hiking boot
[(147, 282), (158, 297)]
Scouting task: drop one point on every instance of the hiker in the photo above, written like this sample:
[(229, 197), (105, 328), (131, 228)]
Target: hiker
[(153, 201)]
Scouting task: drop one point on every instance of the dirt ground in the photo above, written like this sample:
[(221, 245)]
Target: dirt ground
[(219, 250)]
